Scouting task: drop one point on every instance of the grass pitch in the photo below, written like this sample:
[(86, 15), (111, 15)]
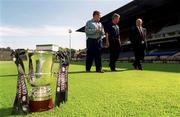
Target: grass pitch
[(154, 92)]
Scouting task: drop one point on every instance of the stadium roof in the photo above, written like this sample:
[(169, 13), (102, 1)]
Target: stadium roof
[(156, 14)]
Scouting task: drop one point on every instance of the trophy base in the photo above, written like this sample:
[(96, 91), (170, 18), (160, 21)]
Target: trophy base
[(39, 106)]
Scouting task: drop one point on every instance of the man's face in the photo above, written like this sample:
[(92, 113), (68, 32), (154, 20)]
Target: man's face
[(116, 20), (97, 17), (139, 22)]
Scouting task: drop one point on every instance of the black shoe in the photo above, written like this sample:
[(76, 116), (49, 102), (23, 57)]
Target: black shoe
[(140, 67), (135, 67), (113, 70), (88, 71), (100, 71)]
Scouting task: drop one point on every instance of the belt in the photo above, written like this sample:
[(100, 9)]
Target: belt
[(95, 38), (115, 38)]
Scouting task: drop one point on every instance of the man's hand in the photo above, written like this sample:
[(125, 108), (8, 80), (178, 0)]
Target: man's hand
[(107, 45), (107, 41), (98, 30), (119, 42)]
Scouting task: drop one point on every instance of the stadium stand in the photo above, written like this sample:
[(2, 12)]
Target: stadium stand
[(162, 20)]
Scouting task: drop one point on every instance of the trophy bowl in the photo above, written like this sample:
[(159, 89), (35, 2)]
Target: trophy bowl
[(40, 73)]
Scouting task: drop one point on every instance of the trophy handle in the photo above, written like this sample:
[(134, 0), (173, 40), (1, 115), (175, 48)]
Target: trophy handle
[(62, 79), (21, 99), (31, 69)]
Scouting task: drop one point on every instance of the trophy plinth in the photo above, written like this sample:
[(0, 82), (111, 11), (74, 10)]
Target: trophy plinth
[(40, 98)]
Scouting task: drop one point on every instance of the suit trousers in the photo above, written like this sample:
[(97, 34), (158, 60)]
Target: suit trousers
[(114, 50), (93, 53), (139, 55)]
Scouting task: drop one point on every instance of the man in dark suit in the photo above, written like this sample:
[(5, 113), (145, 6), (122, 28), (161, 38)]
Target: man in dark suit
[(113, 33), (139, 43)]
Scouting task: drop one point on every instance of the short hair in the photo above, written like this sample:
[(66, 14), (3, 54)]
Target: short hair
[(115, 15), (139, 19), (96, 13)]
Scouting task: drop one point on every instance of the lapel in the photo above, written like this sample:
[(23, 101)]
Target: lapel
[(141, 32)]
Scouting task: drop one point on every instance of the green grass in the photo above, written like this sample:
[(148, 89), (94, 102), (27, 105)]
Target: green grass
[(154, 92)]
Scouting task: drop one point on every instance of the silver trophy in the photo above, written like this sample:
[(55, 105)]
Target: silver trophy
[(39, 77)]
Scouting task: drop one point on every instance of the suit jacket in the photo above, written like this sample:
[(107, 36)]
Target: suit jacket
[(136, 38)]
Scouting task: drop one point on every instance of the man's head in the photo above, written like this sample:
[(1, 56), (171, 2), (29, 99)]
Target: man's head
[(115, 18), (96, 16), (139, 22)]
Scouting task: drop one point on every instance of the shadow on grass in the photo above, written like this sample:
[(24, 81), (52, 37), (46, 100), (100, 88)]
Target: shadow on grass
[(162, 67), (79, 72), (8, 75), (5, 112)]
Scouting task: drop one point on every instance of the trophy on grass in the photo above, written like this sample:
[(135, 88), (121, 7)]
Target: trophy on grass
[(38, 79)]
